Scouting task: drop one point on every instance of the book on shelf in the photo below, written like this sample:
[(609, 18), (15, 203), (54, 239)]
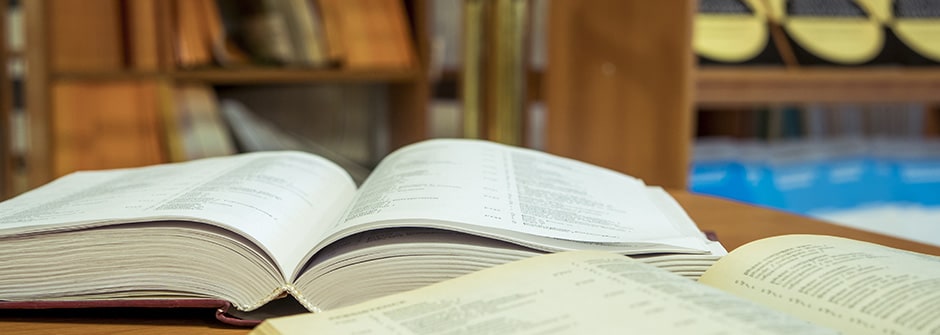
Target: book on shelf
[(142, 27), (290, 229), (259, 28), (307, 35), (914, 29), (791, 284), (109, 124), (194, 126), (357, 34), (85, 36), (471, 79), (493, 74), (843, 32), (504, 83), (198, 33), (369, 34), (734, 32)]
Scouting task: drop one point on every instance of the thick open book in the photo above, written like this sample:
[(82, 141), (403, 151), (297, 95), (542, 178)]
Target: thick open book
[(251, 229), (793, 284)]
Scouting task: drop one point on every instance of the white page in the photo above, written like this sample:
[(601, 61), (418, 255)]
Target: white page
[(277, 199), (563, 293), (497, 186)]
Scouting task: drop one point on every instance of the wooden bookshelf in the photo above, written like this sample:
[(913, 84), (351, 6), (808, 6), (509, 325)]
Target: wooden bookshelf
[(407, 86), (744, 85), (625, 105)]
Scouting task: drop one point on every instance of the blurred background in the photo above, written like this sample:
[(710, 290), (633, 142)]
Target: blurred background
[(824, 108)]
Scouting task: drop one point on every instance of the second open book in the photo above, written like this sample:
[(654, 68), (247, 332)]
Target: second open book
[(794, 284), (254, 228)]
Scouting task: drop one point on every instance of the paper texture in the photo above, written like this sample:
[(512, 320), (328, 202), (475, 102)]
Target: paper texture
[(858, 287), (581, 292), (495, 186)]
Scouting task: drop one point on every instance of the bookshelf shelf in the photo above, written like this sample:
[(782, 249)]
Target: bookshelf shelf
[(295, 75), (105, 75), (250, 76), (758, 85)]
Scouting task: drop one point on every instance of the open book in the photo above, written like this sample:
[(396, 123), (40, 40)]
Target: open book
[(792, 284), (250, 229)]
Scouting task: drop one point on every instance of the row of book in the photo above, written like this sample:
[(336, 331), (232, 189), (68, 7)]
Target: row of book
[(761, 32), (814, 32), (311, 33), (818, 175), (813, 120), (152, 35)]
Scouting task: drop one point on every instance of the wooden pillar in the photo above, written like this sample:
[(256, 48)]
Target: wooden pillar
[(619, 86)]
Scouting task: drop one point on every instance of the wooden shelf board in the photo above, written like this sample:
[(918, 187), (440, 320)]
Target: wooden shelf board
[(105, 76), (756, 85), (294, 75), (251, 75)]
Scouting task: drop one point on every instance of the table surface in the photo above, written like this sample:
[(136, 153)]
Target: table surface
[(734, 223)]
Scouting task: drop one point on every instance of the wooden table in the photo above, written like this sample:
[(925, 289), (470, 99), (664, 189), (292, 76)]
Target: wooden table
[(734, 223), (737, 223)]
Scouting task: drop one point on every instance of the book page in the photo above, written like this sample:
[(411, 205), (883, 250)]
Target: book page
[(521, 190), (857, 287), (563, 293), (276, 199)]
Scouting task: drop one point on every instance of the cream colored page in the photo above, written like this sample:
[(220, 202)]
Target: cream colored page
[(858, 287), (580, 292), (498, 186), (279, 199)]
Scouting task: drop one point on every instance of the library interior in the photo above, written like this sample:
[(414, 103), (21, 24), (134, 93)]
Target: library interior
[(757, 117)]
